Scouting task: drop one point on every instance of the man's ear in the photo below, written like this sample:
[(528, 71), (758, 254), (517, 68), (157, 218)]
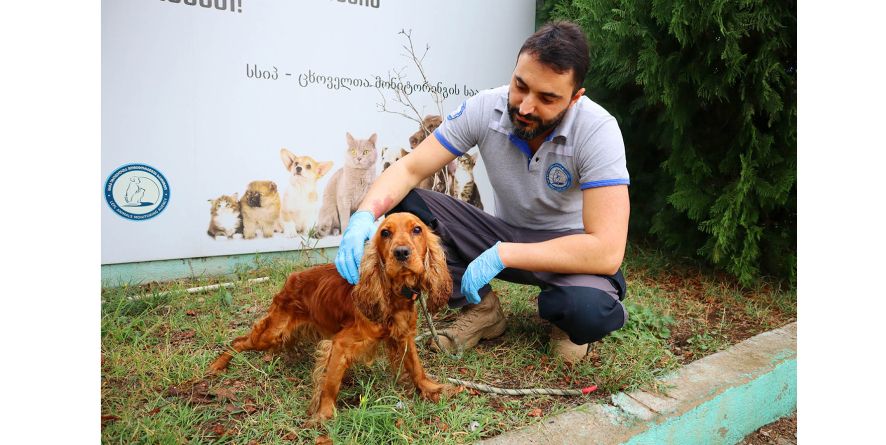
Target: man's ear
[(575, 97)]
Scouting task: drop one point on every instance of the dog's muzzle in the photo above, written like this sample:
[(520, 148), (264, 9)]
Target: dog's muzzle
[(401, 253)]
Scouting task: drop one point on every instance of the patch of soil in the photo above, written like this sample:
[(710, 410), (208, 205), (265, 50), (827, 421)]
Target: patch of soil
[(182, 337), (689, 291), (780, 432)]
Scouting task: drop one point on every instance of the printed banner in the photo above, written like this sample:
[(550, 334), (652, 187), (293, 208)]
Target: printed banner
[(243, 126)]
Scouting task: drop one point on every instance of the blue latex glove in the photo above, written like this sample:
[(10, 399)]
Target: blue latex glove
[(360, 227), (480, 272)]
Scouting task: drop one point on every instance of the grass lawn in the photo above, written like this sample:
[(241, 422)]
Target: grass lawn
[(155, 349)]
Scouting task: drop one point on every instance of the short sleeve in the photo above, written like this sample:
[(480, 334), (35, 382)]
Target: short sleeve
[(601, 158), (460, 129)]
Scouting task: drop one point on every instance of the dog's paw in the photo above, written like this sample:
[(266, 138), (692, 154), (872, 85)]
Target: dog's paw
[(321, 416), (431, 391)]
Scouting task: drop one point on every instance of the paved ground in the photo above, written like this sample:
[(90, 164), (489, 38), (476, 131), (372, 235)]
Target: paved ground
[(719, 399)]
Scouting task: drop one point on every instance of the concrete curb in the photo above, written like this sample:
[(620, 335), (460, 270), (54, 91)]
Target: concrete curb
[(718, 399)]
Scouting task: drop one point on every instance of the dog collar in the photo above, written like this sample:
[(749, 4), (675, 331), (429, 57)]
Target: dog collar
[(409, 293)]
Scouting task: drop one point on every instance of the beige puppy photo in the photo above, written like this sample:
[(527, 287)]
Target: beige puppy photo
[(301, 201), (260, 209)]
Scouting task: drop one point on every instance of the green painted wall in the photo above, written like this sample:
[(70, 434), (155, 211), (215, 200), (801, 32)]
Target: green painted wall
[(733, 414), (136, 273)]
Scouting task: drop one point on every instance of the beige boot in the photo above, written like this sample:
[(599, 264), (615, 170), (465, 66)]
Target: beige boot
[(476, 322), (563, 347)]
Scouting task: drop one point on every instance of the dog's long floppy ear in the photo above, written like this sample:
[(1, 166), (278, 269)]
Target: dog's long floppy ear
[(287, 157), (370, 293), (436, 280)]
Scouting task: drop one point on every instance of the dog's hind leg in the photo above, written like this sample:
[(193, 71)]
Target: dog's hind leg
[(270, 332)]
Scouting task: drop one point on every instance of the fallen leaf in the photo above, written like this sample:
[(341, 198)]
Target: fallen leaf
[(323, 440), (535, 412), (399, 422), (191, 313), (218, 429), (224, 393), (154, 411), (108, 419), (267, 357), (291, 436)]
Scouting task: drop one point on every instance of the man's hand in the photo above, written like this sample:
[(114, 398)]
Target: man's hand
[(480, 272), (350, 251)]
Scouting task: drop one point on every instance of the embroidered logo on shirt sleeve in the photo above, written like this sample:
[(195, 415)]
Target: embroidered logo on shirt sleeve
[(457, 112)]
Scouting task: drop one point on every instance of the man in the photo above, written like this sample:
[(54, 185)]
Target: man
[(556, 162)]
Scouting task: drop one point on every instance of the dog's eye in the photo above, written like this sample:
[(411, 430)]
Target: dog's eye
[(416, 230), (385, 233), (308, 166)]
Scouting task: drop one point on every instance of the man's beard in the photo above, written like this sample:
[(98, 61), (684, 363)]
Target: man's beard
[(523, 131)]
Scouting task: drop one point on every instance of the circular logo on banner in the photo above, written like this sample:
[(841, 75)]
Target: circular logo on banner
[(457, 112), (558, 177), (137, 192)]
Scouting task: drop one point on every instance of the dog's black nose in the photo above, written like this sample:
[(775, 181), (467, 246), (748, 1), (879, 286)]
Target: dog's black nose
[(402, 253), (298, 169)]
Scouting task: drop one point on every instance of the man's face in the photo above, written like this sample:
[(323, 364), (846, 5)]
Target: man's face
[(538, 97)]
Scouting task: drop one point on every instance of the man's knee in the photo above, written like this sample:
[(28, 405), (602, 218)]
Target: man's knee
[(585, 313), (414, 204)]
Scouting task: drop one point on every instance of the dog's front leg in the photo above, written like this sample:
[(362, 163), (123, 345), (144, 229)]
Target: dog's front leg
[(428, 388)]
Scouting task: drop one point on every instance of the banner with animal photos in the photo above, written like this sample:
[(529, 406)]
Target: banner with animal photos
[(245, 126)]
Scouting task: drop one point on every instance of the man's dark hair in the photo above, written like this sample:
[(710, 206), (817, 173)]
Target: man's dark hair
[(562, 47)]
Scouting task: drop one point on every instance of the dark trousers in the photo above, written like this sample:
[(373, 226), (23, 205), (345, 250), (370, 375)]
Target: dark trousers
[(587, 307)]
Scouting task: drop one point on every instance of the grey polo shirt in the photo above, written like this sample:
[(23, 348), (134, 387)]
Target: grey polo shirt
[(541, 191)]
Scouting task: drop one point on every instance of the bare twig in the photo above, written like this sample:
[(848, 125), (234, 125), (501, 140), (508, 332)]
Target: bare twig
[(408, 107)]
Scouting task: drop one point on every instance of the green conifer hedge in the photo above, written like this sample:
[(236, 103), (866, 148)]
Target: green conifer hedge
[(705, 93)]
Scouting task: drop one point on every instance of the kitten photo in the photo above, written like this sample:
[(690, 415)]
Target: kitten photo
[(463, 185), (348, 186), (301, 201), (260, 209), (225, 216), (389, 156), (441, 181)]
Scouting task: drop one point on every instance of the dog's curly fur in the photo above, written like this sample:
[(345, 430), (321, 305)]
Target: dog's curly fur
[(404, 255)]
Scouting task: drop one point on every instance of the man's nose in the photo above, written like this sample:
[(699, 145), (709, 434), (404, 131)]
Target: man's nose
[(401, 253), (527, 106)]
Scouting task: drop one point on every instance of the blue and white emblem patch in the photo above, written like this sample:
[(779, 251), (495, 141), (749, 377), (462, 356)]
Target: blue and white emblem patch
[(558, 178), (137, 192), (457, 112)]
